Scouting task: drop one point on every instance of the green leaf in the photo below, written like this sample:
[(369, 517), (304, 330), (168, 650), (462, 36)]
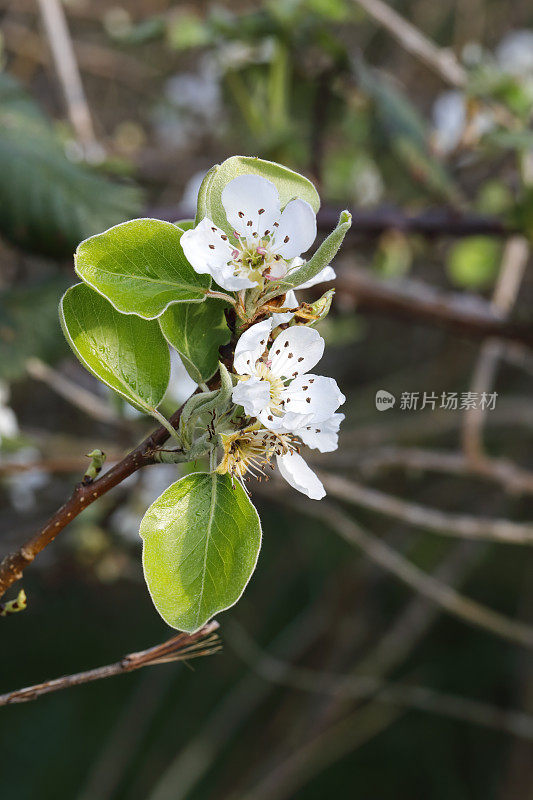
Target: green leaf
[(26, 334), (185, 224), (140, 267), (323, 256), (196, 331), (288, 183), (201, 541), (127, 353), (48, 202)]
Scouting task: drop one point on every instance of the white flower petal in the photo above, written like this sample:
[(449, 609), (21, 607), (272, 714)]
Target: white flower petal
[(225, 278), (322, 436), (300, 476), (296, 350), (296, 231), (313, 394), (253, 395), (270, 420), (206, 247), (326, 274), (290, 302), (208, 250), (251, 346), (251, 204)]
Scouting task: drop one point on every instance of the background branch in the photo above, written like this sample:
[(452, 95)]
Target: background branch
[(416, 301)]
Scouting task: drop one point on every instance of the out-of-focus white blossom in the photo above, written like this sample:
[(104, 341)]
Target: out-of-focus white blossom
[(23, 486), (514, 53), (450, 119), (8, 421)]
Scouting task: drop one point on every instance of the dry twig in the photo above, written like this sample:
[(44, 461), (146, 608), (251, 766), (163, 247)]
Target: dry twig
[(431, 519), (182, 647), (55, 23), (440, 60)]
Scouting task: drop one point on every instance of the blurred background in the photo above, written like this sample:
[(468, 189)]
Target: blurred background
[(383, 646)]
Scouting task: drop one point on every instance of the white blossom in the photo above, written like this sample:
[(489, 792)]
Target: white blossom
[(8, 421), (251, 450), (275, 385), (266, 242), (514, 53)]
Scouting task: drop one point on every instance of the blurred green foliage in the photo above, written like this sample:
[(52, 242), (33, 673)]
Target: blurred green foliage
[(48, 202)]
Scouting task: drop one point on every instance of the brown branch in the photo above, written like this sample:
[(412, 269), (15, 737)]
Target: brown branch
[(417, 302), (13, 565), (182, 647), (513, 478), (430, 519), (376, 221)]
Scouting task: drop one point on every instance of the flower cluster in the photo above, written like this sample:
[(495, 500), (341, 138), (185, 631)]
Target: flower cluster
[(285, 405)]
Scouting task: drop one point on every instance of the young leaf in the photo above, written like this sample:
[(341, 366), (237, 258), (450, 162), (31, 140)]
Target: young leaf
[(201, 541), (127, 353), (140, 267), (288, 183), (323, 256), (196, 331)]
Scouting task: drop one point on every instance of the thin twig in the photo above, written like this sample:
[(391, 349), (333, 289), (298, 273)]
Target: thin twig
[(182, 647), (512, 269), (76, 395), (55, 23), (500, 470), (452, 601), (427, 585), (440, 60), (431, 519), (358, 687)]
